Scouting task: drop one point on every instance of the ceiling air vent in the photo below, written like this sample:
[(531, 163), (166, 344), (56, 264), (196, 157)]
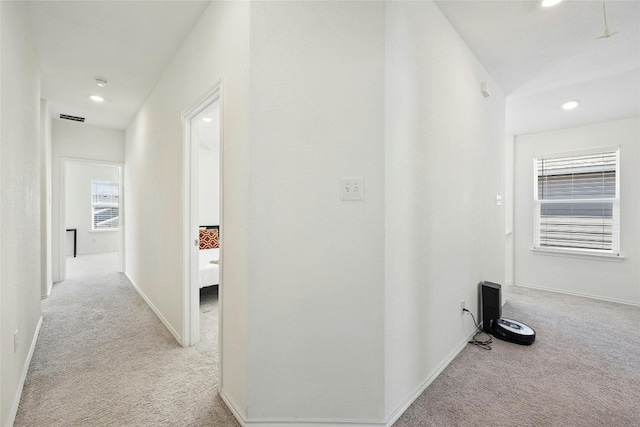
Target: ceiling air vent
[(72, 118)]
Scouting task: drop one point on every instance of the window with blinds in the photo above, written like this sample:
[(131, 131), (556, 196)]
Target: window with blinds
[(105, 205), (577, 202)]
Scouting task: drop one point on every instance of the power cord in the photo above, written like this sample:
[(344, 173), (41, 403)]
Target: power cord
[(486, 344)]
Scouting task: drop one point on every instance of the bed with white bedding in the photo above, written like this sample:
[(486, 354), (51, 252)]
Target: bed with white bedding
[(209, 270)]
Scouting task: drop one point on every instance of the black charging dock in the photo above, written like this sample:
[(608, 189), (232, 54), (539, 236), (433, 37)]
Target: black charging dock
[(493, 323)]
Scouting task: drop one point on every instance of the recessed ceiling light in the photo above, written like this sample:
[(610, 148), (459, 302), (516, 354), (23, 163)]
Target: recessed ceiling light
[(207, 119), (549, 3), (102, 82), (570, 105), (96, 98)]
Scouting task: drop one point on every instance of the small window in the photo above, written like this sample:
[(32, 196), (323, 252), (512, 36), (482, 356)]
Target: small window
[(577, 202), (105, 205)]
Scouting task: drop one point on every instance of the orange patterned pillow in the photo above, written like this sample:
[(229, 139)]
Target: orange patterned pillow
[(209, 238)]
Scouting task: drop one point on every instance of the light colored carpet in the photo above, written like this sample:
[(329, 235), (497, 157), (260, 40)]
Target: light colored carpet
[(87, 266), (104, 359), (583, 370)]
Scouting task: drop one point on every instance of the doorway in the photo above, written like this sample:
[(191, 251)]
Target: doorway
[(203, 228), (91, 218)]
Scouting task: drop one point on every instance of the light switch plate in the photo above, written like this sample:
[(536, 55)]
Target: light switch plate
[(351, 189)]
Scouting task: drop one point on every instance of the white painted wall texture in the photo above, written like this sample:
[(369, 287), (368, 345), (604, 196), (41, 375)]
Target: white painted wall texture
[(208, 187), (45, 197), (73, 140), (78, 206), (217, 48), (444, 168), (208, 133), (316, 277), (346, 309), (509, 207), (304, 283), (20, 263), (605, 279)]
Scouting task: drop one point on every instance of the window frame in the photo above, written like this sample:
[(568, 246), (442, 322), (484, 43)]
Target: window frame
[(606, 254)]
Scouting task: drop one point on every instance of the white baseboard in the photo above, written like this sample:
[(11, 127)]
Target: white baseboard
[(292, 422), (233, 408), (578, 294), (48, 293), (311, 423), (400, 409), (23, 377), (155, 309)]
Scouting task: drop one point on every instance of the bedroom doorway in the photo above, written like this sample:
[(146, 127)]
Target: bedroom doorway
[(203, 220)]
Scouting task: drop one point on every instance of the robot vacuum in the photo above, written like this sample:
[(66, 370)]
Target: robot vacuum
[(493, 322), (513, 331)]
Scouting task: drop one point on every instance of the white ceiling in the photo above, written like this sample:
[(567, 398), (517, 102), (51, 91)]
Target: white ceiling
[(538, 56), (128, 43), (541, 57)]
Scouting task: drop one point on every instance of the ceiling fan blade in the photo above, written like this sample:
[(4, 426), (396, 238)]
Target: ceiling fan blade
[(607, 34)]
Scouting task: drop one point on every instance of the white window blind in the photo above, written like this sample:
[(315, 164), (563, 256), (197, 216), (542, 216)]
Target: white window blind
[(105, 205), (577, 202)]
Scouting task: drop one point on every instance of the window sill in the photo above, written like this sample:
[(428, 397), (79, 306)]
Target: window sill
[(574, 253)]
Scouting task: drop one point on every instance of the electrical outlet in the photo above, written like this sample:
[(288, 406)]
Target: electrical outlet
[(462, 306), (15, 341)]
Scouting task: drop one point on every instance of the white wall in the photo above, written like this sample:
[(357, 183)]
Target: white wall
[(77, 141), (20, 264), (618, 281), (316, 272), (208, 187), (509, 203), (45, 196), (217, 48), (305, 102), (78, 206), (208, 135), (209, 169), (444, 168)]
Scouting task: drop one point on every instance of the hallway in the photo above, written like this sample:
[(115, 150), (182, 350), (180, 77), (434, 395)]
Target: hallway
[(103, 358)]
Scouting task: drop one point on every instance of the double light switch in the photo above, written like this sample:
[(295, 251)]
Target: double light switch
[(351, 189)]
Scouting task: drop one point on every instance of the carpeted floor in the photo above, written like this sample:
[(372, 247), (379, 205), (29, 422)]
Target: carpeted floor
[(84, 267), (583, 370), (104, 359)]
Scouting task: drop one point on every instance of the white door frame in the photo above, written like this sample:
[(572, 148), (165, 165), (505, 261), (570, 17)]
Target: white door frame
[(191, 289), (63, 211)]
